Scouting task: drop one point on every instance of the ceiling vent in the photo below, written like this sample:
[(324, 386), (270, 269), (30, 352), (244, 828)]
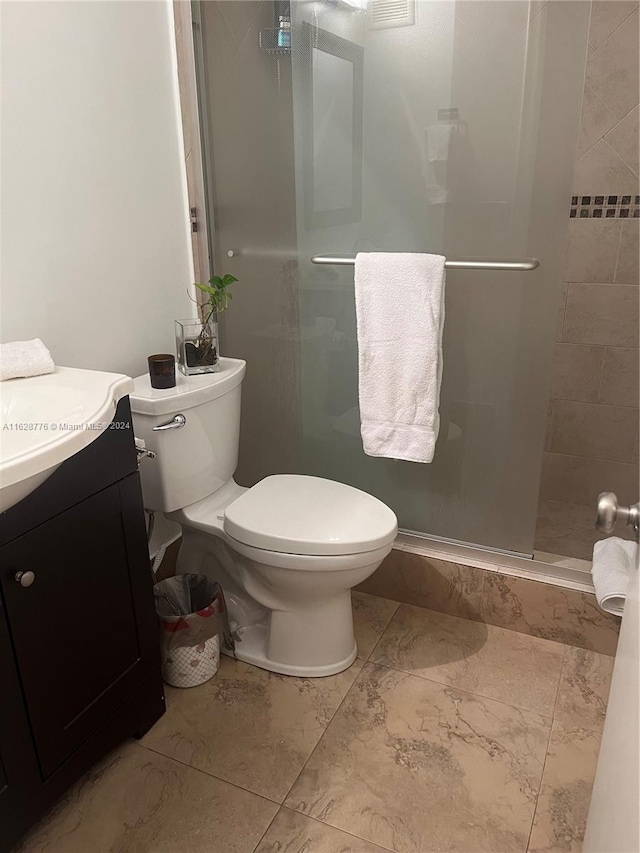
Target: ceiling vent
[(385, 14)]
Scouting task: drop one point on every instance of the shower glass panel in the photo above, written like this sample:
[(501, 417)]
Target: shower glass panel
[(444, 127), (469, 117)]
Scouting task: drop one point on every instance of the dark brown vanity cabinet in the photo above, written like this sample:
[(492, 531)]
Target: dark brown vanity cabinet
[(79, 652)]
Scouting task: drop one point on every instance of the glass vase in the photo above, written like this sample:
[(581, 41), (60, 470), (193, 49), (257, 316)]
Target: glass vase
[(197, 345)]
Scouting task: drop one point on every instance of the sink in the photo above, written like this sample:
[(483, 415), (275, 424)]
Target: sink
[(45, 420)]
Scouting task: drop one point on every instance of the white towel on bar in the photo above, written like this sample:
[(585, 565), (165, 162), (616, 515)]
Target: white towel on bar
[(614, 560), (400, 315), (24, 358), (439, 138)]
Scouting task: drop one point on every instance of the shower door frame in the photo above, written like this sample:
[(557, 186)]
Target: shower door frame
[(198, 187)]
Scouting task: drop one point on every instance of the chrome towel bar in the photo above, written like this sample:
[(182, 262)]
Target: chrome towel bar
[(471, 264)]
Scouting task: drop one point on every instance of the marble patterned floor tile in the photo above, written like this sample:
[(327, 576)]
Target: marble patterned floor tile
[(250, 727), (292, 832), (549, 611), (371, 615), (584, 688), (563, 804), (514, 668), (136, 801), (416, 766)]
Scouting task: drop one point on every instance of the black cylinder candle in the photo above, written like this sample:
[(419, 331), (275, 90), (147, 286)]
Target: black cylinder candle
[(162, 370)]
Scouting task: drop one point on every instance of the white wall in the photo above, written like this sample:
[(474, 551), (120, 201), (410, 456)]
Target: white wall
[(95, 243), (613, 825)]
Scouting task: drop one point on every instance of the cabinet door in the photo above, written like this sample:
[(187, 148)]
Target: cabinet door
[(19, 774), (84, 632)]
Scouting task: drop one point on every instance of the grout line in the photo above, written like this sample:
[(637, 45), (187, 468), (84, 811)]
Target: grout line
[(545, 716), (611, 34), (326, 728), (368, 659), (625, 166), (228, 26), (618, 255), (371, 659), (603, 137), (565, 298), (601, 379), (603, 284), (546, 754), (548, 439), (595, 729), (607, 108), (331, 826), (208, 774), (593, 403), (271, 822), (590, 458), (625, 116)]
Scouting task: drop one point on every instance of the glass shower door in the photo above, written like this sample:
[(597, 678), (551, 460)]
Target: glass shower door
[(444, 127)]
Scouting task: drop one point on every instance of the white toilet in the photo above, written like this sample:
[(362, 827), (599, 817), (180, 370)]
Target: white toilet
[(286, 551)]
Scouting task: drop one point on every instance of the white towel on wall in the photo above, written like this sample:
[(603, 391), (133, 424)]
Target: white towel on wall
[(400, 316), (24, 358), (613, 561)]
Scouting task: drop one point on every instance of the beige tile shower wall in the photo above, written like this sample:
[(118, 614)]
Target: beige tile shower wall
[(592, 440), (519, 604)]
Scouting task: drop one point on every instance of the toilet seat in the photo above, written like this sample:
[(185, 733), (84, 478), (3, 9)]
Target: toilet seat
[(308, 562), (309, 516)]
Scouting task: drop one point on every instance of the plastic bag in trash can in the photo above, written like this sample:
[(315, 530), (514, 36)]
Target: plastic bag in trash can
[(192, 613)]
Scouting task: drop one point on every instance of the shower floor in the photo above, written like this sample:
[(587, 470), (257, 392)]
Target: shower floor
[(568, 529), (444, 735)]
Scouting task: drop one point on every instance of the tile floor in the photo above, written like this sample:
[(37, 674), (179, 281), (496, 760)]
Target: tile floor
[(444, 735)]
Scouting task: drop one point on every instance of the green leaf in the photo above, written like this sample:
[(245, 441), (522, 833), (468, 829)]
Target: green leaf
[(204, 288), (228, 279)]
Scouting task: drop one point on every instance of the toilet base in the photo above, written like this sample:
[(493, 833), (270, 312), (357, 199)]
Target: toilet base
[(292, 615), (252, 648)]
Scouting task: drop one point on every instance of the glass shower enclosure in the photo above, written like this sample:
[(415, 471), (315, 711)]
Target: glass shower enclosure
[(426, 126)]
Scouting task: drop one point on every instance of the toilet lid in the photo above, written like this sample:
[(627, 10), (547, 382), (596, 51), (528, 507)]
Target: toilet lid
[(308, 515)]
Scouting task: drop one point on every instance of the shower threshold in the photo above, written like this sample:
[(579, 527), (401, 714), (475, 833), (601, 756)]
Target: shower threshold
[(540, 566)]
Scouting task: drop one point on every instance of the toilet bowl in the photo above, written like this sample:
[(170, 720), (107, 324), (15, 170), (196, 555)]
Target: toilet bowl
[(286, 552)]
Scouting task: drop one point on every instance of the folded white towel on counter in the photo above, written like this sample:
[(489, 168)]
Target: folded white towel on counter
[(614, 560), (400, 316), (24, 358)]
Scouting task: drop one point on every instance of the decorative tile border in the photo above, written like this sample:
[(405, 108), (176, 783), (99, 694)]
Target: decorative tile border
[(519, 604), (605, 207)]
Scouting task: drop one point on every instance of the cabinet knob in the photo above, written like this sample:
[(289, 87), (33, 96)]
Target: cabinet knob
[(25, 578)]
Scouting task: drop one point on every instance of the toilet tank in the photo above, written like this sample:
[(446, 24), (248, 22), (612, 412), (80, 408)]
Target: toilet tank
[(197, 458)]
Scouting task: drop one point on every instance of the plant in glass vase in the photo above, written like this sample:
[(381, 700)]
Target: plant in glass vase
[(197, 340)]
